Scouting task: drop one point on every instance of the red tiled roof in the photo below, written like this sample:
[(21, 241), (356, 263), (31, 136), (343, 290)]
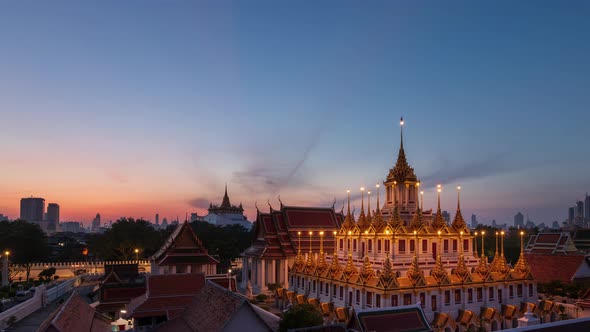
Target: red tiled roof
[(399, 319), (167, 295), (548, 238), (173, 284), (184, 243), (546, 268), (121, 293), (310, 218), (75, 315), (212, 309)]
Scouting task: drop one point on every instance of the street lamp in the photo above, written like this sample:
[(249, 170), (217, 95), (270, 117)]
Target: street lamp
[(136, 254), (229, 279)]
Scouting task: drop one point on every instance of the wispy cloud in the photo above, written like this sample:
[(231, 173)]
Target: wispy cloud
[(199, 202), (497, 164)]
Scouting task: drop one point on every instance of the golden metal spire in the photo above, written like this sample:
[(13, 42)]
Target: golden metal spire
[(458, 221), (378, 192), (422, 199), (522, 265), (366, 271), (439, 222), (368, 207), (310, 234), (438, 190)]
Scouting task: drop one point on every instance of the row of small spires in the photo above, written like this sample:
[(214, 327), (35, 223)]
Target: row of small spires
[(366, 221), (414, 273)]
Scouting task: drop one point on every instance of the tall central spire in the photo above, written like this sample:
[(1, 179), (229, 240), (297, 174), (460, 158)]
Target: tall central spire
[(401, 133), (225, 203)]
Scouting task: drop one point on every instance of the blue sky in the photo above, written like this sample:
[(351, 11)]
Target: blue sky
[(138, 107)]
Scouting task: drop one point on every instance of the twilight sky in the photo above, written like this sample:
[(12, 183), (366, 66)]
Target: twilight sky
[(131, 108)]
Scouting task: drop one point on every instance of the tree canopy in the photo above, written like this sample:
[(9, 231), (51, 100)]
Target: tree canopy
[(127, 234), (26, 242), (301, 315), (226, 241)]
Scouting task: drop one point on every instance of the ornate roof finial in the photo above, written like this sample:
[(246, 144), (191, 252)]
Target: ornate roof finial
[(494, 266), (369, 220), (522, 265), (387, 267), (361, 220), (349, 268), (401, 132), (458, 221), (462, 271), (378, 192), (439, 222), (366, 271), (225, 203), (414, 272), (335, 266), (334, 203), (280, 202), (438, 271)]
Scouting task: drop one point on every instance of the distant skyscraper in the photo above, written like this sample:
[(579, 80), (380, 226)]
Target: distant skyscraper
[(580, 209), (96, 223), (52, 216), (571, 214), (519, 220), (587, 207), (555, 225), (157, 219), (446, 216), (164, 223), (32, 208), (473, 221)]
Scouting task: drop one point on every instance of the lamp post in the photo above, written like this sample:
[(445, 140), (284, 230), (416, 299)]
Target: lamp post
[(229, 280), (475, 245), (136, 255), (502, 244), (5, 269), (482, 247), (321, 242)]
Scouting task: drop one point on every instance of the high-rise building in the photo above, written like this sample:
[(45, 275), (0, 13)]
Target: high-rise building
[(164, 223), (571, 214), (96, 223), (580, 209), (587, 207), (474, 222), (32, 208), (157, 219), (519, 220), (447, 216), (52, 216)]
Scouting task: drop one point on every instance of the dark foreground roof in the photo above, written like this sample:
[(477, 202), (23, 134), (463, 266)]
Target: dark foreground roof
[(571, 325), (75, 315)]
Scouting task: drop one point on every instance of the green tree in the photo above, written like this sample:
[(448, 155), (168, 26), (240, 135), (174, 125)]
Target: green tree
[(302, 315), (26, 242), (126, 235), (228, 242)]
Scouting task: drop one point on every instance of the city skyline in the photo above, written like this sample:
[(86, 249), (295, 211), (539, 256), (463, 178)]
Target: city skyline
[(155, 114)]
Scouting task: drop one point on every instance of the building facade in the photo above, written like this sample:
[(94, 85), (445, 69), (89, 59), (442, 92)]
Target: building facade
[(183, 252), (32, 209), (401, 254), (226, 214)]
